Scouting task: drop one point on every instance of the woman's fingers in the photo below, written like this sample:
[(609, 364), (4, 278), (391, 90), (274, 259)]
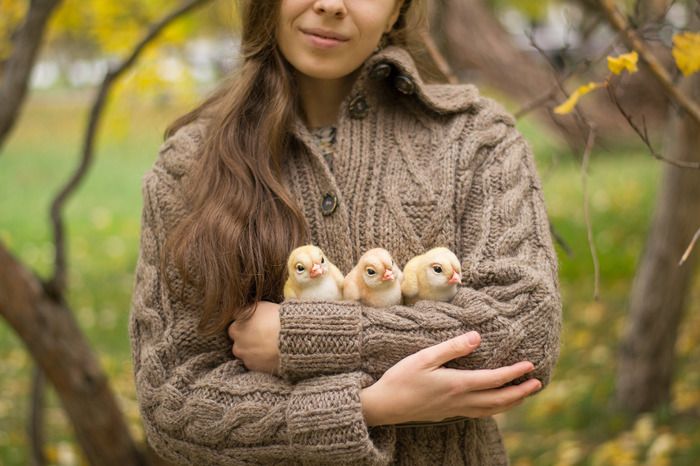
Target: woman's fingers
[(437, 355), (501, 397), (493, 378)]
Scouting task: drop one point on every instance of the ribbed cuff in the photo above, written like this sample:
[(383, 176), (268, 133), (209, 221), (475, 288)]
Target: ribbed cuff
[(318, 338), (325, 422)]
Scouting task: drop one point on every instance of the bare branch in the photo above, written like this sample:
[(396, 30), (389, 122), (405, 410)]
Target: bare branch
[(56, 284), (438, 58), (537, 102), (560, 240), (643, 134), (16, 69), (560, 77), (36, 422), (690, 248), (586, 208), (619, 22)]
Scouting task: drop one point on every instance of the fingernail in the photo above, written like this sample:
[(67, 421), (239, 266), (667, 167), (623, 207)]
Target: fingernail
[(472, 338)]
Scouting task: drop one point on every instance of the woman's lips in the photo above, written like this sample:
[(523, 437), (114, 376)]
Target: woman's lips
[(323, 39)]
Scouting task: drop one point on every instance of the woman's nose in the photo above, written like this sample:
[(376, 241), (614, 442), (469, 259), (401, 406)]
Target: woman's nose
[(331, 7)]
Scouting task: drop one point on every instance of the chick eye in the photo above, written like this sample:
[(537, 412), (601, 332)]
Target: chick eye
[(300, 268), (323, 261), (437, 269), (370, 271)]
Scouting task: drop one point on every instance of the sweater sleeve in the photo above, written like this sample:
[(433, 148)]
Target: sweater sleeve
[(199, 405), (509, 293)]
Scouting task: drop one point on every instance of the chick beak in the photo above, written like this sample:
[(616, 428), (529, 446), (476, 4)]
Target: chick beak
[(316, 270), (455, 278), (388, 275)]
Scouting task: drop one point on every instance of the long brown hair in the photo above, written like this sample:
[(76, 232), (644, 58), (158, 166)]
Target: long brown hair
[(233, 246)]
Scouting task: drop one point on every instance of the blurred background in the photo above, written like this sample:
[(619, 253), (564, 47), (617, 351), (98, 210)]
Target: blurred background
[(627, 388)]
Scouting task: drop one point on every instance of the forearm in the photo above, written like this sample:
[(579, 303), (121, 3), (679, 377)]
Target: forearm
[(257, 418), (334, 338), (201, 406), (510, 292)]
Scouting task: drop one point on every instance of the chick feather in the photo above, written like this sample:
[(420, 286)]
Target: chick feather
[(434, 276), (311, 276), (375, 280)]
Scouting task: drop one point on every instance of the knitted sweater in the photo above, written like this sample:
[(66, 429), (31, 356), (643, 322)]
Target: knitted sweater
[(433, 165)]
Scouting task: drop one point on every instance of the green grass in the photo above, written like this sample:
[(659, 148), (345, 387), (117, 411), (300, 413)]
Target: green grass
[(572, 422)]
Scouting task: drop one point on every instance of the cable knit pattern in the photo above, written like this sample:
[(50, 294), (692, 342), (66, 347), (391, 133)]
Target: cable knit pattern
[(441, 167)]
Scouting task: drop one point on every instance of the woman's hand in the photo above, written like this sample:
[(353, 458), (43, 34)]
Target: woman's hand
[(420, 388), (255, 338)]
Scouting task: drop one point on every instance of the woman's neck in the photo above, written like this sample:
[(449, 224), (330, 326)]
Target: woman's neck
[(321, 98)]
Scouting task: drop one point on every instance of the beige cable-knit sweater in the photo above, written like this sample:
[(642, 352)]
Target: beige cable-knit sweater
[(441, 166)]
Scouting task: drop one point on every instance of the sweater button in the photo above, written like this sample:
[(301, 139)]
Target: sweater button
[(329, 203), (380, 71), (358, 107), (405, 85)]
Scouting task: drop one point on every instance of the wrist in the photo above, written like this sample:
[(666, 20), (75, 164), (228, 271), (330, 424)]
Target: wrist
[(377, 408), (370, 406)]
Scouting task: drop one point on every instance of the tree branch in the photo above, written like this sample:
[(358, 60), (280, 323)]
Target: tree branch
[(16, 69), (56, 285), (643, 134), (690, 248), (36, 419), (438, 58), (618, 21), (586, 209), (55, 341)]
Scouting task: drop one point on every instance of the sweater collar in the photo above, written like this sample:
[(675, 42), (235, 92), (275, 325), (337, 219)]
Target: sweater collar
[(395, 65)]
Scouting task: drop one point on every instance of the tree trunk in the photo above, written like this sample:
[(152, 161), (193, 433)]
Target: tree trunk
[(477, 46), (16, 70), (647, 357), (55, 341)]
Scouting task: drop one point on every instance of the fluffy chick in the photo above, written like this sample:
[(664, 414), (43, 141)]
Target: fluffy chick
[(312, 276), (433, 275), (375, 280)]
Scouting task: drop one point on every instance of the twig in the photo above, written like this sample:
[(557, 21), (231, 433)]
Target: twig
[(36, 421), (579, 118), (643, 134), (560, 78), (619, 22), (55, 287), (586, 209), (537, 102), (438, 58), (544, 54), (560, 240), (690, 248)]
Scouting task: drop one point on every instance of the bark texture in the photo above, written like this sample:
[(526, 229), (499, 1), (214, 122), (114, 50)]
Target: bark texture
[(55, 341), (647, 358)]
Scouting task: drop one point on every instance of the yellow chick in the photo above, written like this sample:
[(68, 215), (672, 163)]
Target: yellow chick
[(433, 275), (312, 276), (375, 280)]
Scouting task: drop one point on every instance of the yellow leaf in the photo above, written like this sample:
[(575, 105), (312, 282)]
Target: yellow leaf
[(625, 61), (570, 103), (686, 51)]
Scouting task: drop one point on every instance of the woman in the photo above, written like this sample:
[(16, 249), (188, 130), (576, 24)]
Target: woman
[(329, 135)]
